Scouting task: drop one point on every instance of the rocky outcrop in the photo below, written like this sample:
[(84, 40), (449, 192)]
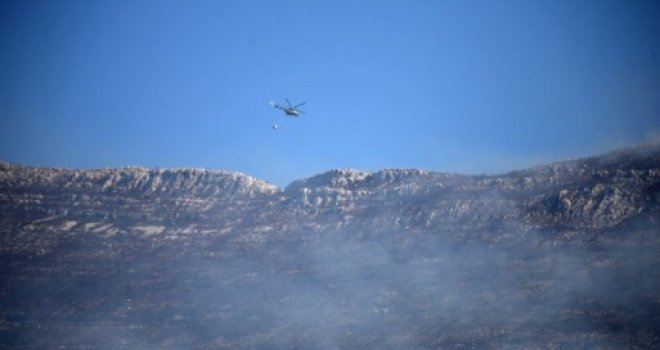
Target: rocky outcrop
[(590, 194), (36, 203)]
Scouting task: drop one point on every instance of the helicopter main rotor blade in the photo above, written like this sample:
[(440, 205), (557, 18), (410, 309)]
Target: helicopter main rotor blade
[(296, 106), (287, 102)]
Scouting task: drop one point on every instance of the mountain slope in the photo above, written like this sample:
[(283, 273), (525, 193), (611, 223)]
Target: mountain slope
[(560, 255), (588, 194)]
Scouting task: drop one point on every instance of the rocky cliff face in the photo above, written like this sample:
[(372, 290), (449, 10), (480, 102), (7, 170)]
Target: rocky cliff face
[(106, 202), (591, 194), (399, 258)]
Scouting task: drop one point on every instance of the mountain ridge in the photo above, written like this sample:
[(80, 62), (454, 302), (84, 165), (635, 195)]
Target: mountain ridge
[(589, 194), (635, 151), (558, 255)]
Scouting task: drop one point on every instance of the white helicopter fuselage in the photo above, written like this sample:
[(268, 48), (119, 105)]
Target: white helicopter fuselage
[(291, 112)]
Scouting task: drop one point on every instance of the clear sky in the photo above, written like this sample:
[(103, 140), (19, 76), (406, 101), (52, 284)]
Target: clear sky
[(461, 86)]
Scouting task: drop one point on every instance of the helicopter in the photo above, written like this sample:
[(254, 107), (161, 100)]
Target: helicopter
[(292, 111), (289, 111)]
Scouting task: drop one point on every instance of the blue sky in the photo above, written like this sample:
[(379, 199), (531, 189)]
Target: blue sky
[(461, 86)]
